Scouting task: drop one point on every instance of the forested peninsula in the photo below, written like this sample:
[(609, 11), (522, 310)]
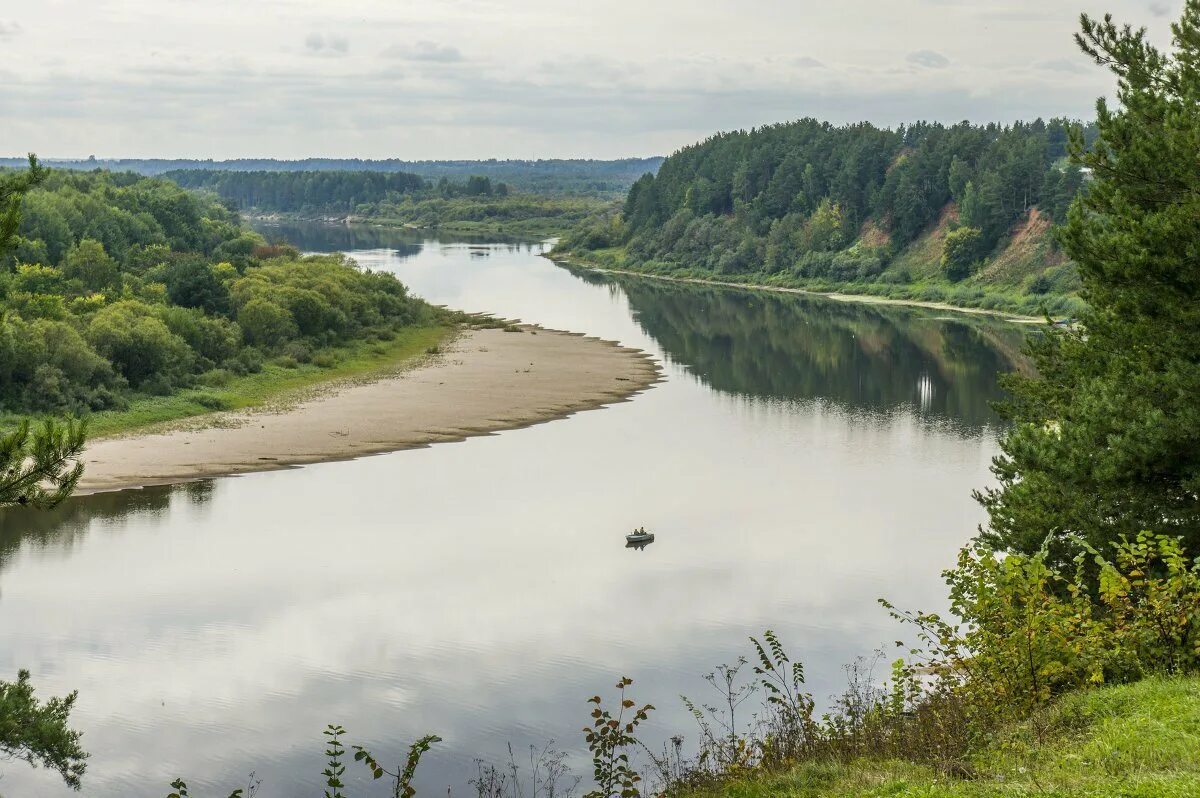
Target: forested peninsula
[(132, 300), (963, 214), (476, 204)]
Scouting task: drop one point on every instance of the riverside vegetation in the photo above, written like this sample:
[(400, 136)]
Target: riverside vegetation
[(1069, 664), (474, 205), (134, 301), (965, 214)]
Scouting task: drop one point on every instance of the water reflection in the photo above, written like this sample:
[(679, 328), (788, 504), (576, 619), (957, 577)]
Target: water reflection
[(60, 529), (482, 590), (862, 357), (401, 242)]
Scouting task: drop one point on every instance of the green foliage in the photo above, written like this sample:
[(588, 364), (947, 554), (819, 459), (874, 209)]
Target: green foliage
[(961, 252), (1106, 439), (833, 208), (136, 287), (1135, 741), (88, 263), (138, 343), (401, 777), (1029, 631), (39, 467), (549, 177), (13, 188), (335, 768), (609, 739), (266, 323), (38, 733), (193, 283), (477, 203)]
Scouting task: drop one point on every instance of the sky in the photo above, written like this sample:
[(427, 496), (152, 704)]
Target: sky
[(440, 79)]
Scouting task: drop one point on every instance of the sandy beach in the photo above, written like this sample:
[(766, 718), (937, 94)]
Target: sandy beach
[(486, 381)]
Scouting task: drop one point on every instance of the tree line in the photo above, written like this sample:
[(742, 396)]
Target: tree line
[(116, 286), (551, 177), (327, 191), (822, 201)]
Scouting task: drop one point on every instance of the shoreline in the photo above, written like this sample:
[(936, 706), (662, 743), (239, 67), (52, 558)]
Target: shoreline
[(487, 381), (865, 299)]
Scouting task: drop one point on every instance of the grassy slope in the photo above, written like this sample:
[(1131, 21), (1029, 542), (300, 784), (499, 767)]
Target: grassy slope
[(915, 273), (276, 384), (1135, 741)]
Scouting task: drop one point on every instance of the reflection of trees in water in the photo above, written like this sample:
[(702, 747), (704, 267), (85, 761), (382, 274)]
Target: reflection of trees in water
[(70, 521), (407, 243), (864, 357), (313, 237)]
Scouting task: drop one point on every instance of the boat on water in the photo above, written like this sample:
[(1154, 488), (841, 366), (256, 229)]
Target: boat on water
[(639, 536)]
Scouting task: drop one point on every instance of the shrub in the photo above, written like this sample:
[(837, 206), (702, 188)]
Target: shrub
[(140, 345), (266, 324), (192, 283), (961, 251), (88, 263), (1031, 630)]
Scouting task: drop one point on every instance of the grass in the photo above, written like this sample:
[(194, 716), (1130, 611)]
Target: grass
[(1134, 741), (279, 382), (1001, 299)]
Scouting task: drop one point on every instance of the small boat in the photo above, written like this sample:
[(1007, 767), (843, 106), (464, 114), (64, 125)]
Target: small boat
[(639, 536)]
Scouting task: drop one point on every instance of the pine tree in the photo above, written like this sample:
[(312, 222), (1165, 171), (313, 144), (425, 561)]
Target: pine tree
[(1106, 440), (37, 469)]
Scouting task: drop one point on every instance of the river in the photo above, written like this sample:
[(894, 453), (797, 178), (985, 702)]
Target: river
[(803, 458)]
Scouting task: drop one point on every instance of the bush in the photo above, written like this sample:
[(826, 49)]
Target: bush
[(140, 345), (1032, 630), (325, 360), (192, 283), (961, 251), (88, 263), (266, 324)]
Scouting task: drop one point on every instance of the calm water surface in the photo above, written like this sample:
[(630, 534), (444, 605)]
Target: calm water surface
[(802, 459)]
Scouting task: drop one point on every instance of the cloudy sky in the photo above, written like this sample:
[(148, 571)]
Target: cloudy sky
[(520, 78)]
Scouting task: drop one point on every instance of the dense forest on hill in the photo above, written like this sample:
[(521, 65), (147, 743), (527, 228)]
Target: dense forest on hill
[(477, 204), (814, 204), (550, 177), (119, 286)]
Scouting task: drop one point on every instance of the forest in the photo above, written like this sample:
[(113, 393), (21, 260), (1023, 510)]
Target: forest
[(810, 203), (550, 177), (477, 204), (119, 286)]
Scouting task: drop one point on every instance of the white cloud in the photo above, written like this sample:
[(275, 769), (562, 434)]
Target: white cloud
[(522, 78), (424, 51), (326, 45), (928, 59), (9, 28)]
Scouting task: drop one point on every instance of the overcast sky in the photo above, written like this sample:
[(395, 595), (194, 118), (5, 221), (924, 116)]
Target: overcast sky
[(520, 78)]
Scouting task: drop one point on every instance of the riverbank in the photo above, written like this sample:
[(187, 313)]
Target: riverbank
[(869, 299), (482, 382), (279, 383), (1131, 740)]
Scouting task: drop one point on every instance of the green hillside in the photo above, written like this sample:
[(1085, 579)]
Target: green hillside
[(962, 214)]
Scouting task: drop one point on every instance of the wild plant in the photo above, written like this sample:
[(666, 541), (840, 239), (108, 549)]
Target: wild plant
[(550, 777), (335, 769), (609, 739)]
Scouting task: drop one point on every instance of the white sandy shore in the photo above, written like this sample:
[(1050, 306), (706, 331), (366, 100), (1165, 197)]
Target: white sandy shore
[(488, 380)]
